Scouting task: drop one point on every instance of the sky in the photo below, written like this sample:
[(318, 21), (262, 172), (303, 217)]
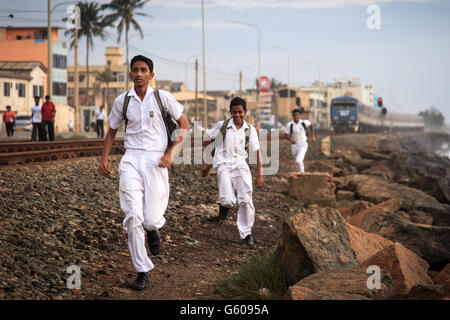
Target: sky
[(406, 59)]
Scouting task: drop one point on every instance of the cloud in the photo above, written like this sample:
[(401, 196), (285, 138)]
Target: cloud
[(272, 4)]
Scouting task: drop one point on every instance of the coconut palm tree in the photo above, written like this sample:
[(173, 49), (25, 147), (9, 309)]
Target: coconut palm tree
[(125, 10), (106, 77), (92, 24)]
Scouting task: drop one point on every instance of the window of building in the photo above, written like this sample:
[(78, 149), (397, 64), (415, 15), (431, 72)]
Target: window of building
[(35, 91), (121, 77), (81, 77), (7, 89), (41, 91), (70, 77), (59, 89), (40, 35), (19, 37), (59, 61), (20, 89)]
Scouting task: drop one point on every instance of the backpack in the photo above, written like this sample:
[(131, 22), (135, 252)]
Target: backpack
[(304, 127), (169, 123), (223, 130)]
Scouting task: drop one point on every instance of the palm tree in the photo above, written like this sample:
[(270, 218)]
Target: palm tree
[(105, 76), (124, 10), (92, 25)]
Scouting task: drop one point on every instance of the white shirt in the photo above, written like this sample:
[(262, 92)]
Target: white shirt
[(100, 115), (146, 129), (298, 132), (36, 112), (235, 153)]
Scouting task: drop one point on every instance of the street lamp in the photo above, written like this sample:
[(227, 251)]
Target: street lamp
[(289, 73), (240, 78), (259, 41)]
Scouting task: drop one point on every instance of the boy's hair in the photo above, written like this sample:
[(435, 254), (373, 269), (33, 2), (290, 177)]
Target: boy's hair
[(148, 61), (295, 110), (238, 101), (47, 97), (8, 107), (301, 111)]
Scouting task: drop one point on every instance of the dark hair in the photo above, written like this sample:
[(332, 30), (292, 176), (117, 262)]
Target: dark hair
[(148, 61), (301, 111), (47, 97), (37, 97), (8, 107), (238, 101), (295, 110)]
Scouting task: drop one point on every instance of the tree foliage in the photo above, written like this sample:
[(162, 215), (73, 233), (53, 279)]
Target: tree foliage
[(432, 117)]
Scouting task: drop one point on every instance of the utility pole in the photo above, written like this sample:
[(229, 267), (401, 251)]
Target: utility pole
[(75, 74), (49, 49), (205, 109), (196, 89), (240, 84)]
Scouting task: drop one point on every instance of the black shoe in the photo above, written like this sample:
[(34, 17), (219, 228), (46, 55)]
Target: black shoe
[(248, 240), (141, 281), (223, 211), (154, 241)]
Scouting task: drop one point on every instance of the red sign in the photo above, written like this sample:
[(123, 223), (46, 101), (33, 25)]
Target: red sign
[(264, 83)]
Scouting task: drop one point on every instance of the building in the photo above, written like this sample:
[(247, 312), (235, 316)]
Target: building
[(30, 44), (284, 105), (318, 104), (20, 82)]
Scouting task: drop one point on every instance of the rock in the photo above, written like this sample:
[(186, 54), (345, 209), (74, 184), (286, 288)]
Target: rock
[(354, 208), (322, 166), (376, 190), (313, 241), (380, 171), (345, 195), (406, 268), (427, 241), (312, 187), (441, 277), (365, 244), (368, 217), (341, 284), (352, 156)]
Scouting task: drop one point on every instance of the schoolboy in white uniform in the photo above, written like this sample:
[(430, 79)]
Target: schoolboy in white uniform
[(144, 182), (233, 172), (295, 132)]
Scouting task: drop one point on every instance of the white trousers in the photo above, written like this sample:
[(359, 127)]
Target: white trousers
[(144, 195), (299, 151), (234, 180)]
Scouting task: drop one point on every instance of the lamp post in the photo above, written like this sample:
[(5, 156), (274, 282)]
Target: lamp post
[(185, 75), (205, 109), (289, 73)]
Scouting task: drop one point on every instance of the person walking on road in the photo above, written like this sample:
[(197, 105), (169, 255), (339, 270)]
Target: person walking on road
[(9, 118), (100, 117), (48, 119), (36, 119), (235, 136), (143, 170), (296, 133)]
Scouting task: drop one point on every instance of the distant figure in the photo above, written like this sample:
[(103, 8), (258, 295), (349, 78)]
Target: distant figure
[(295, 132), (48, 119), (100, 117), (9, 118), (70, 125), (36, 120)]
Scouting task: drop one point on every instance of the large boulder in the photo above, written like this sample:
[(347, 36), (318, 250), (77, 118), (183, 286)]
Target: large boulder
[(427, 241), (352, 156), (313, 241), (354, 208), (323, 166), (376, 190), (406, 268), (369, 216), (380, 171), (365, 244), (341, 284), (312, 188)]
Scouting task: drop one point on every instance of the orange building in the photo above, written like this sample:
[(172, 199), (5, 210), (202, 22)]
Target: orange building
[(25, 43)]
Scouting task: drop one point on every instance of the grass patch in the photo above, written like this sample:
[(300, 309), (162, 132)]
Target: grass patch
[(258, 279), (74, 137)]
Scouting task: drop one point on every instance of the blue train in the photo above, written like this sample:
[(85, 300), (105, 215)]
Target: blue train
[(351, 115)]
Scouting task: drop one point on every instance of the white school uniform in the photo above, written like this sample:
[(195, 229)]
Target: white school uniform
[(144, 186), (233, 172), (37, 114), (301, 146)]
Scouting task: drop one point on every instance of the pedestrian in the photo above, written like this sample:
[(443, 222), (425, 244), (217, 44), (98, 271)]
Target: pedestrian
[(9, 118), (143, 170), (296, 133), (48, 119), (36, 119), (70, 125), (233, 173), (100, 117)]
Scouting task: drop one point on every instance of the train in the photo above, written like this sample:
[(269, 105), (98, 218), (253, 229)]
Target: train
[(348, 114)]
